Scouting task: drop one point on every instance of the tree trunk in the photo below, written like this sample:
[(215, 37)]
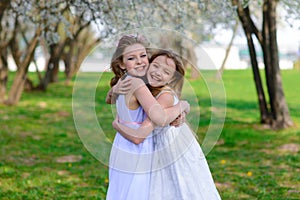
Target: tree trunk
[(67, 62), (49, 75), (3, 5), (54, 77), (75, 56), (52, 66), (3, 53), (3, 73), (278, 116), (244, 16), (68, 59), (264, 113), (20, 78), (221, 70), (279, 109), (17, 87)]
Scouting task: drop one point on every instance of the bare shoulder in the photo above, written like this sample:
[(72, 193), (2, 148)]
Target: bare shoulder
[(136, 83), (166, 98)]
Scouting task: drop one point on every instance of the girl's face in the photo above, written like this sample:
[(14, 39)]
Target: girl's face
[(161, 71), (135, 60)]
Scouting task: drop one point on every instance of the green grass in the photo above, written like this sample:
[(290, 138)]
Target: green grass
[(248, 162)]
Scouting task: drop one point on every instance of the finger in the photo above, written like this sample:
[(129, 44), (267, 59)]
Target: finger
[(183, 115), (126, 89), (126, 85), (182, 120), (122, 92)]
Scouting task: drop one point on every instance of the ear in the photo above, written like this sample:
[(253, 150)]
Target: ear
[(122, 66)]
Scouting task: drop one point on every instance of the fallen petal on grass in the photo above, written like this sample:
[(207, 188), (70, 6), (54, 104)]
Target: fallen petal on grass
[(69, 159)]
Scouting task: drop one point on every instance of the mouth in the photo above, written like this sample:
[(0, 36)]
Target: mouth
[(155, 78), (140, 68)]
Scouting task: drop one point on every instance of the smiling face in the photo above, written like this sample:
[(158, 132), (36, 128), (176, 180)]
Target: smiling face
[(161, 71), (135, 60)]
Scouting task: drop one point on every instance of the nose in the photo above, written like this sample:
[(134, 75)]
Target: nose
[(139, 60), (157, 72)]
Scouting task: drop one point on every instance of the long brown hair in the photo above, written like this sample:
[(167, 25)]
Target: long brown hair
[(177, 82), (117, 59)]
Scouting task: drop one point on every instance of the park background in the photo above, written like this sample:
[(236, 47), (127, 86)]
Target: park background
[(42, 155)]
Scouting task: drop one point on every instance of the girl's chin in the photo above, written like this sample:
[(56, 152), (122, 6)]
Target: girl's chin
[(140, 73), (155, 85)]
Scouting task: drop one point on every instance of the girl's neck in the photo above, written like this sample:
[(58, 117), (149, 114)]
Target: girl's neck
[(156, 90)]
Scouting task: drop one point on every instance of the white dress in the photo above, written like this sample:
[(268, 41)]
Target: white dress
[(129, 164), (179, 167)]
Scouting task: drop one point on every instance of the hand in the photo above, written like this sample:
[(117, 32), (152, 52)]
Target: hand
[(122, 86), (179, 120), (115, 123), (185, 106)]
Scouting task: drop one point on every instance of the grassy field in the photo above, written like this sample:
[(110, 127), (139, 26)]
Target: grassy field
[(43, 157)]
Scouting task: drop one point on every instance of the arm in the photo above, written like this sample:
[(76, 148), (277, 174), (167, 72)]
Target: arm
[(111, 96), (137, 136), (122, 87), (154, 110)]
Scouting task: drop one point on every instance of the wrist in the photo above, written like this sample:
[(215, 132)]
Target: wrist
[(112, 90)]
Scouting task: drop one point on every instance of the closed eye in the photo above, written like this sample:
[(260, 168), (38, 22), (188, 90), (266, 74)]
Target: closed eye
[(167, 72)]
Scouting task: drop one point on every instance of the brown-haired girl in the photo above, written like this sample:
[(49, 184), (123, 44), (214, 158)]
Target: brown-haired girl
[(129, 170)]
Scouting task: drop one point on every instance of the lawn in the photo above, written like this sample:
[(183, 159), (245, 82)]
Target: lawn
[(49, 151)]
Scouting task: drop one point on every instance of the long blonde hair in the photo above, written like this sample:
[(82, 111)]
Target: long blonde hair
[(177, 82), (117, 59)]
